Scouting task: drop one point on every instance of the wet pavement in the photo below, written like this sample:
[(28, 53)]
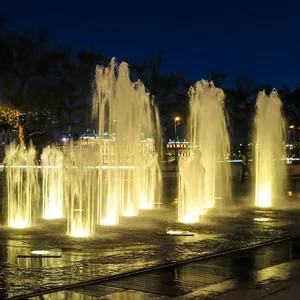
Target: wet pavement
[(249, 274), (136, 244)]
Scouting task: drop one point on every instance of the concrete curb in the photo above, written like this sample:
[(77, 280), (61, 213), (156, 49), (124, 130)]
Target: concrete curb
[(149, 269)]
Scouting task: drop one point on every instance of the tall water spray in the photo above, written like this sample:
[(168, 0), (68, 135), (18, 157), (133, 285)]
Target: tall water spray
[(204, 176), (81, 191), (128, 128), (52, 174), (22, 185), (269, 150)]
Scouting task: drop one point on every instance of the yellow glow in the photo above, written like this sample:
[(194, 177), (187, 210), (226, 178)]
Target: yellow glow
[(264, 197), (292, 126), (129, 214), (78, 229), (10, 115), (269, 167), (290, 193), (262, 219), (40, 252), (19, 224), (80, 233), (174, 232), (55, 213), (177, 119), (189, 219), (145, 206), (109, 221)]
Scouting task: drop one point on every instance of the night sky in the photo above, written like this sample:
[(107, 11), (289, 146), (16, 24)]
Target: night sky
[(255, 39)]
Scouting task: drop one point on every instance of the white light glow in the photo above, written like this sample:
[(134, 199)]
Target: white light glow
[(174, 232), (129, 214), (19, 224), (262, 219), (189, 219), (263, 197), (109, 221), (146, 206), (40, 252), (80, 233)]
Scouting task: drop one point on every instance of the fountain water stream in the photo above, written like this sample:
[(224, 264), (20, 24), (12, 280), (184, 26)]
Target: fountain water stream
[(269, 151), (52, 174), (22, 186), (128, 127), (204, 177), (81, 191)]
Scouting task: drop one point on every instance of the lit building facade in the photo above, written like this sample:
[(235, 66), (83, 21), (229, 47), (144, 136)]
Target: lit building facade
[(179, 148), (107, 143)]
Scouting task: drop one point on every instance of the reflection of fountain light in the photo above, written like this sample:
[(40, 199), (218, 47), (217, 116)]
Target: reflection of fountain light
[(269, 149), (205, 175), (174, 232), (40, 252), (262, 219)]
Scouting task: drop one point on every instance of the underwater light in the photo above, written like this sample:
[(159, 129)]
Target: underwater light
[(40, 252), (262, 219), (174, 232)]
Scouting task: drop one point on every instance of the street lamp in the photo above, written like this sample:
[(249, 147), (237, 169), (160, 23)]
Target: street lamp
[(176, 123)]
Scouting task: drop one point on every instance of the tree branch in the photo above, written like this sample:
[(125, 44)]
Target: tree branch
[(35, 133)]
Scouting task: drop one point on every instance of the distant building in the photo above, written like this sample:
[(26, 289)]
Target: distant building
[(107, 142), (179, 148)]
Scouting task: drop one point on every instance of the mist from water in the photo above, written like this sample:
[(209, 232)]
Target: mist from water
[(269, 151), (205, 176)]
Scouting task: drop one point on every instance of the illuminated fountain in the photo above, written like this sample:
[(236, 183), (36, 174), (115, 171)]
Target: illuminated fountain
[(269, 150), (80, 191), (22, 186), (52, 174), (116, 175), (128, 126), (204, 177)]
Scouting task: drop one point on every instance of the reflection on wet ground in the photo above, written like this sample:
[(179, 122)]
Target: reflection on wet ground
[(199, 279), (136, 244)]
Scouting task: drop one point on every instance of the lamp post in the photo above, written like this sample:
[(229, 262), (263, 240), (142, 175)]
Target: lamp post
[(176, 123)]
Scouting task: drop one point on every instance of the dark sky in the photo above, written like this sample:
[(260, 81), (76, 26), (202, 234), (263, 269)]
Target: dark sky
[(256, 39)]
